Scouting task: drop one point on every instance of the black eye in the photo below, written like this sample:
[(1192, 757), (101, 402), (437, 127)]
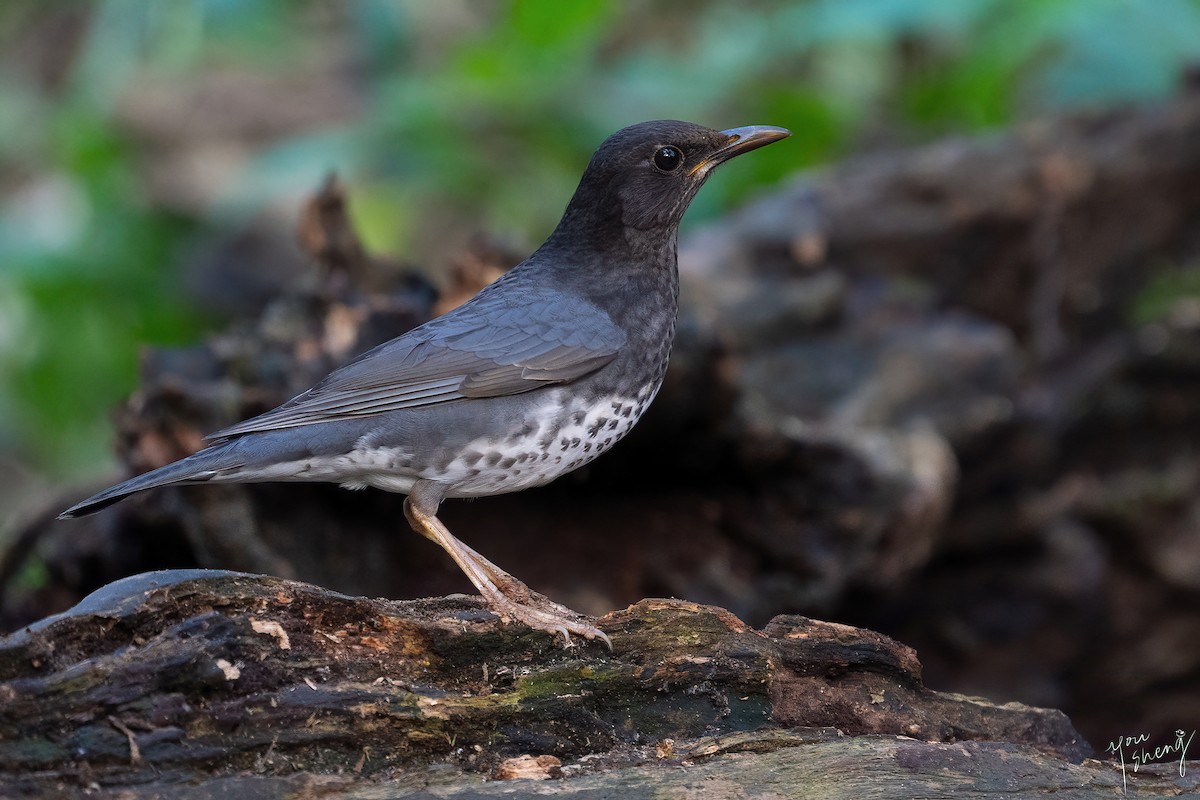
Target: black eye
[(668, 159)]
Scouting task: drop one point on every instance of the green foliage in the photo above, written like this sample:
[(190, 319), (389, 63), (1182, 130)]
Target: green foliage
[(1170, 293), (84, 295), (475, 116)]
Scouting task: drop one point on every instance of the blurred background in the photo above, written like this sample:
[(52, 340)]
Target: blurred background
[(155, 157)]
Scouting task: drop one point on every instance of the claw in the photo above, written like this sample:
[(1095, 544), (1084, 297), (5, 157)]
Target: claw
[(564, 622)]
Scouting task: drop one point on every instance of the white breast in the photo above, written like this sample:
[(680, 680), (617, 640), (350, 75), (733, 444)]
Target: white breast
[(567, 433)]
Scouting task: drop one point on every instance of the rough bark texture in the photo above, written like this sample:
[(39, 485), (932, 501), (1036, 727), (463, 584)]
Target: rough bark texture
[(216, 676)]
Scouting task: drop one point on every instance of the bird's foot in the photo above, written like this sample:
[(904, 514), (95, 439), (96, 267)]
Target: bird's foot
[(511, 599), (541, 613), (507, 596)]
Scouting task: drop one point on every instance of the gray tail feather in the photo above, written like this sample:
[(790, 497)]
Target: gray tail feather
[(196, 468)]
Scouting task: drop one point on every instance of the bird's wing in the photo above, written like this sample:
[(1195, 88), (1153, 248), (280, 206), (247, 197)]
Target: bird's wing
[(482, 349)]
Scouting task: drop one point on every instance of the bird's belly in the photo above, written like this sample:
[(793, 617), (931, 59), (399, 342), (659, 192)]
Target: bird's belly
[(560, 434), (549, 438)]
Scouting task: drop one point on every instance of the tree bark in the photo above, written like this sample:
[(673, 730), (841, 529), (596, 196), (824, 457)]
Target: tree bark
[(232, 682)]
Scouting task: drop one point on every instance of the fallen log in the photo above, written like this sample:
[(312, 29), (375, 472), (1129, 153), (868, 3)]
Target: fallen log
[(199, 683)]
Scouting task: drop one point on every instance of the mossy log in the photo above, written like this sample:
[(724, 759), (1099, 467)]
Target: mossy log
[(197, 683)]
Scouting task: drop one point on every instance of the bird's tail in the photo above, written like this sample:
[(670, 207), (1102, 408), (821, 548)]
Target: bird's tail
[(197, 468)]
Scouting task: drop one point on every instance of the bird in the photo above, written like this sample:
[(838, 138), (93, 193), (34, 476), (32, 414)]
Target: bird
[(542, 371)]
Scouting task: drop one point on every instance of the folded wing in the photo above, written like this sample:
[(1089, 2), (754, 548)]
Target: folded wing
[(485, 348)]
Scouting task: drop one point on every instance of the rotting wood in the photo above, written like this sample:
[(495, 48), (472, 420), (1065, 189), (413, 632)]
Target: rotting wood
[(187, 669)]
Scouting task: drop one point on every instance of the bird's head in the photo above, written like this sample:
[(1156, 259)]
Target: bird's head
[(644, 177)]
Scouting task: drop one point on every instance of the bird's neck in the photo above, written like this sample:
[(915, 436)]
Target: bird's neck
[(631, 273), (593, 227), (626, 266), (588, 226), (635, 281)]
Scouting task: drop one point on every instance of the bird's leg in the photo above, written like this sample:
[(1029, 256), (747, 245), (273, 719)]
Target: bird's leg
[(507, 596)]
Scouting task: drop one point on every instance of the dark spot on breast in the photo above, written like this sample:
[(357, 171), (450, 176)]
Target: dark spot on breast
[(565, 443), (626, 411), (471, 458), (493, 459), (575, 442), (507, 463), (597, 426), (578, 417), (587, 447)]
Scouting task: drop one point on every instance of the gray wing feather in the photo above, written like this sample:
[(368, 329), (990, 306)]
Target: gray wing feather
[(486, 348)]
